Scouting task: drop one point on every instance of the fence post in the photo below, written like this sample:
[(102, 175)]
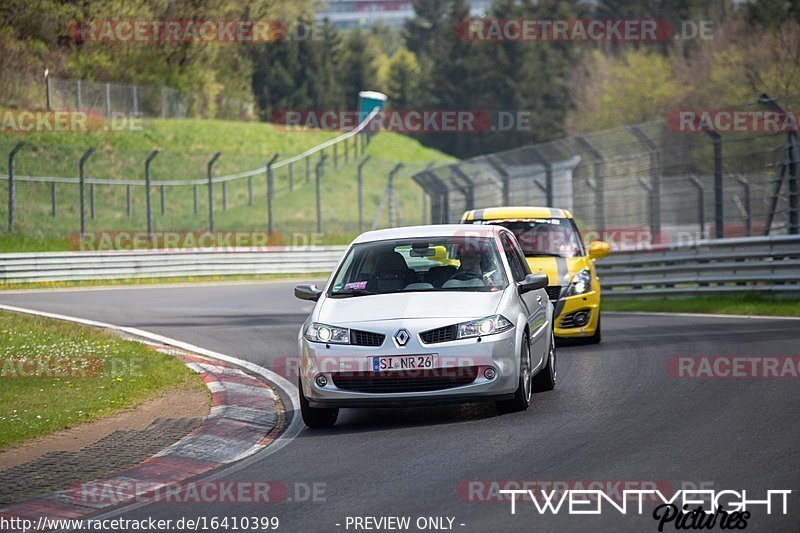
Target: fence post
[(82, 181), (270, 193), (505, 179), (147, 162), (361, 193), (701, 205), (108, 100), (599, 186), (128, 209), (224, 195), (209, 169), (135, 96), (650, 201), (196, 200), (47, 88), (655, 180), (794, 226), (53, 199), (548, 175), (249, 190), (346, 150), (466, 187), (320, 168), (163, 201), (719, 216), (390, 193), (91, 201), (78, 95), (748, 213), (335, 158), (789, 164), (308, 169), (11, 192), (291, 176)]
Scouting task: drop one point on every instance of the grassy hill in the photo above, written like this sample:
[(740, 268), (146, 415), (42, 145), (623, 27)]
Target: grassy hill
[(187, 145)]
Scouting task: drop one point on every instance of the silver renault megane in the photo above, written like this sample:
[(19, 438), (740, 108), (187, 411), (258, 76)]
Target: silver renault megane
[(423, 315)]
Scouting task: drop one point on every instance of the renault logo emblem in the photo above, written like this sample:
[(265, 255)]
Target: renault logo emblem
[(401, 337)]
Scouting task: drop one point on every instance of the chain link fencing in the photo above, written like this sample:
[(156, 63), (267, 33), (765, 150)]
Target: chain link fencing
[(673, 186), (327, 194), (113, 99)]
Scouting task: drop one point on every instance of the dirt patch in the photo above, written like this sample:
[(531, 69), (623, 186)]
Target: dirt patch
[(181, 403)]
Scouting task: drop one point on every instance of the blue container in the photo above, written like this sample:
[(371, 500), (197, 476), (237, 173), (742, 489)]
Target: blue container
[(368, 101)]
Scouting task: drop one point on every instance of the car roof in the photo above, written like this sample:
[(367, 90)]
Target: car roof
[(434, 230), (515, 212)]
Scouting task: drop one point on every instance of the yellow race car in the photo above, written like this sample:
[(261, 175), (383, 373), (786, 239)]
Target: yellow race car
[(552, 245)]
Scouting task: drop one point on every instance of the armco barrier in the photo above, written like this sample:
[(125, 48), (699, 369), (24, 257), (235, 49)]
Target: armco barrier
[(74, 266), (761, 264)]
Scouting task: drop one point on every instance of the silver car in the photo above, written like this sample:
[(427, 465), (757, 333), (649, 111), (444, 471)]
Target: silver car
[(422, 315)]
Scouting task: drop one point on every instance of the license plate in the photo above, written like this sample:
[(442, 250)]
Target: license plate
[(403, 362)]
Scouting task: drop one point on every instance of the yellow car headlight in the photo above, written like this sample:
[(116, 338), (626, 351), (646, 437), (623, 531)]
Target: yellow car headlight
[(581, 283)]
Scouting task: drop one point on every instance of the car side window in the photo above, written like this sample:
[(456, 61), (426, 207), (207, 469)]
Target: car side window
[(526, 269), (518, 271)]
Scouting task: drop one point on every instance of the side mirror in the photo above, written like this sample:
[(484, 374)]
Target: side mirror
[(599, 249), (532, 282), (307, 292)]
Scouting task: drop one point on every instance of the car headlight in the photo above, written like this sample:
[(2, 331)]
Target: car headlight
[(329, 334), (484, 326), (581, 283)]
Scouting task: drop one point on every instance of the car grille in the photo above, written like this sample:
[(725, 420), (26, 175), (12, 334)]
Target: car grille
[(432, 336), (366, 338), (405, 380), (553, 292), (568, 321)]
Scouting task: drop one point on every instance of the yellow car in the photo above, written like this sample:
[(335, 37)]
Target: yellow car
[(552, 245)]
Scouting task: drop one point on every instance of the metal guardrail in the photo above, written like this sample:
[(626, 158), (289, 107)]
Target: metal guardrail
[(754, 264), (77, 266), (762, 264)]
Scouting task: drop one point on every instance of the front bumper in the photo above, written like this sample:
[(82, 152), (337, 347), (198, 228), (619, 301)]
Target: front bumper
[(566, 307), (498, 352)]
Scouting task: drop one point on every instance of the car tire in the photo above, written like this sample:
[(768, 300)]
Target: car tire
[(315, 417), (596, 337), (522, 397), (545, 380)]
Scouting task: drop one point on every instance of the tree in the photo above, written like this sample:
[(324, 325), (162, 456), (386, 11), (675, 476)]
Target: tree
[(358, 68), (401, 79)]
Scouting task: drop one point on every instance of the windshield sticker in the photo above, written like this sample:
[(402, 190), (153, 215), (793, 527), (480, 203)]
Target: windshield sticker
[(338, 287), (356, 286), (501, 221)]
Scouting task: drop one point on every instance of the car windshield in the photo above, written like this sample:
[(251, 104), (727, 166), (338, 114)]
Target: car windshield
[(424, 265), (544, 237)]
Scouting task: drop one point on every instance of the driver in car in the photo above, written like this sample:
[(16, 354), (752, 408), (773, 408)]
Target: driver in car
[(472, 268)]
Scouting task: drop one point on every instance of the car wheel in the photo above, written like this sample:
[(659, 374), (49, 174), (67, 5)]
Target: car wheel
[(522, 397), (546, 378), (595, 339), (315, 417)]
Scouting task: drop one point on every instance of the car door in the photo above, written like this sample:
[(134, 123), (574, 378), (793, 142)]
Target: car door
[(534, 301)]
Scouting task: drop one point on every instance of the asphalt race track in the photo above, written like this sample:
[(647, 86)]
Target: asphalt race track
[(616, 415)]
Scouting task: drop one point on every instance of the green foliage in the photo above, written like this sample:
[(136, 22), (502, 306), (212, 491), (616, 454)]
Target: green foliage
[(83, 374), (735, 304), (400, 79)]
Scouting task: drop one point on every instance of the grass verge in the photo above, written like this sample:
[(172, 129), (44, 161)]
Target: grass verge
[(55, 375), (159, 281), (744, 304)]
